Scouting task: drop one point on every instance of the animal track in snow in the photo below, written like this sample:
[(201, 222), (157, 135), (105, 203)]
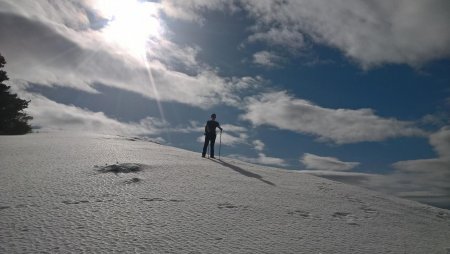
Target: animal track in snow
[(340, 214), (100, 200), (133, 180), (353, 199), (161, 200), (176, 200), (443, 215), (348, 217), (368, 210), (152, 199), (363, 206), (301, 213), (228, 205), (70, 202), (325, 187)]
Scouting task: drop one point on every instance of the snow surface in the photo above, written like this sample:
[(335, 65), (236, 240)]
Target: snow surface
[(67, 193)]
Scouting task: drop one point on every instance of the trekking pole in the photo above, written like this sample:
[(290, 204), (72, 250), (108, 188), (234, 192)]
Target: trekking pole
[(220, 143)]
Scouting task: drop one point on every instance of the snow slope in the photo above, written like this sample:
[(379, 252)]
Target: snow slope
[(62, 193)]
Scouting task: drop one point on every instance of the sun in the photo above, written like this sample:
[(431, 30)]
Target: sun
[(131, 24)]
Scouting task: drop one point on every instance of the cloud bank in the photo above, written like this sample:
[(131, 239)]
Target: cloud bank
[(370, 33), (424, 180), (428, 178), (340, 126), (261, 159), (51, 116), (312, 161)]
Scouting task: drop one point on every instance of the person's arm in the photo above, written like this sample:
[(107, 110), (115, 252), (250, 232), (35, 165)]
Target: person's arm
[(218, 125)]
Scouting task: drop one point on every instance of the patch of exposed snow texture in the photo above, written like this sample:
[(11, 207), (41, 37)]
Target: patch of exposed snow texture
[(120, 168), (53, 199)]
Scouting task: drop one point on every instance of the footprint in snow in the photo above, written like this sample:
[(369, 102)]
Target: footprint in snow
[(152, 199), (133, 180), (162, 200), (70, 202), (443, 215)]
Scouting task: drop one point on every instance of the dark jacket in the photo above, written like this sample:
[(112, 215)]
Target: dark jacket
[(210, 127)]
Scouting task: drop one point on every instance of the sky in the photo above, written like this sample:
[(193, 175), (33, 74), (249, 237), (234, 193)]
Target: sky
[(355, 91)]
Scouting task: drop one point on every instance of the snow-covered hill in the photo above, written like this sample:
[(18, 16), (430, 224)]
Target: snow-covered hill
[(62, 193)]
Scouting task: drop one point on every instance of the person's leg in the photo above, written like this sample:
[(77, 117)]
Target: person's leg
[(205, 145), (213, 140)]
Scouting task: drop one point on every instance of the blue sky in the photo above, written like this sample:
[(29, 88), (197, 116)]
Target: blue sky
[(357, 91)]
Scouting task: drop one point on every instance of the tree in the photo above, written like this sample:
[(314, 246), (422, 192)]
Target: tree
[(13, 121)]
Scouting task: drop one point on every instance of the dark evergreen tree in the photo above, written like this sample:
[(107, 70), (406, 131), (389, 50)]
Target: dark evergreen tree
[(13, 121)]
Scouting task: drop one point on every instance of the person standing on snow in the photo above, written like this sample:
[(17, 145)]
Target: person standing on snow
[(210, 135)]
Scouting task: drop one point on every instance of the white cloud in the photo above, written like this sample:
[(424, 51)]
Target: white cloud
[(369, 32), (63, 55), (175, 57), (312, 161), (232, 135), (71, 15), (360, 179), (280, 36), (236, 135), (261, 159), (266, 58), (51, 116), (234, 128), (401, 185), (192, 10), (259, 145), (341, 126), (436, 119), (227, 139), (441, 142), (432, 174), (195, 126), (424, 180), (438, 168)]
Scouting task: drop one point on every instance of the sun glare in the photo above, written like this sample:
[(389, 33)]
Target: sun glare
[(131, 24)]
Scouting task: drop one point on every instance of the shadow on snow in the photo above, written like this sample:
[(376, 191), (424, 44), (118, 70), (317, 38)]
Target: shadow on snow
[(243, 171)]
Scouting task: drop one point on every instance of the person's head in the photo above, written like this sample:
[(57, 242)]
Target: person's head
[(213, 116)]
